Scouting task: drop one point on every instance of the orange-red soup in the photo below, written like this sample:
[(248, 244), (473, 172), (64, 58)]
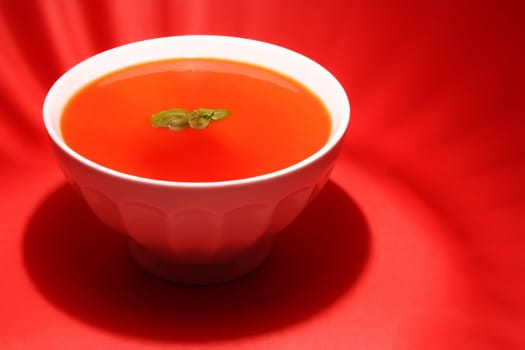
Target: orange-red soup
[(274, 121)]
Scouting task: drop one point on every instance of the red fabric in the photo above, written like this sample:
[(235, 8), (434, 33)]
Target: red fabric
[(417, 242)]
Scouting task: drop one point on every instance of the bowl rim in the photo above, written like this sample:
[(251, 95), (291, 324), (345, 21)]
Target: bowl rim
[(334, 139)]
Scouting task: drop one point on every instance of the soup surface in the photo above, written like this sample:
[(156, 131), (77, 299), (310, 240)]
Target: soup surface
[(274, 121)]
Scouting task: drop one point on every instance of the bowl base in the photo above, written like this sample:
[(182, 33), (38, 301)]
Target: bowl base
[(201, 274)]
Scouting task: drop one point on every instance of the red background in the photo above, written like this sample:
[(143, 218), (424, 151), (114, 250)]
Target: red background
[(417, 242)]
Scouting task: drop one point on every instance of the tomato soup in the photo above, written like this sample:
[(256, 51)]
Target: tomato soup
[(274, 121)]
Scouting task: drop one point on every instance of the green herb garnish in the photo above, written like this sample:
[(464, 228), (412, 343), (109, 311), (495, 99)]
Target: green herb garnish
[(179, 118)]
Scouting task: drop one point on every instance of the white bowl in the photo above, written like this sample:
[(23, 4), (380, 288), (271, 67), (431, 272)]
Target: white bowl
[(199, 232)]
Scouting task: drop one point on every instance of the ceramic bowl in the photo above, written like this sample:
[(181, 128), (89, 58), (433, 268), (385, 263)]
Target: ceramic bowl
[(199, 232)]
